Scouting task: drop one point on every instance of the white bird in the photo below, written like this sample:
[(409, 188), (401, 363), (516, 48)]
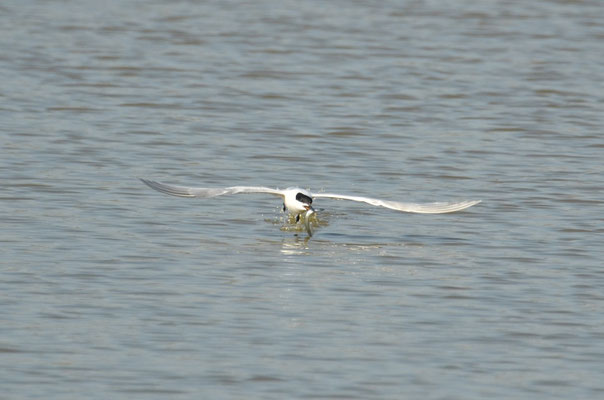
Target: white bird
[(299, 201)]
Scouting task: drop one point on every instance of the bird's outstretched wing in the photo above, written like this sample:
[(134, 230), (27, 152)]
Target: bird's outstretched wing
[(185, 191), (426, 208)]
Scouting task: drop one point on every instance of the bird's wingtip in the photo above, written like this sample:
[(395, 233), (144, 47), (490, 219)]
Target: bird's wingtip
[(152, 184)]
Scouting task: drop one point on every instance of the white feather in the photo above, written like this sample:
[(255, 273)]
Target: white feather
[(186, 191), (295, 206), (425, 208)]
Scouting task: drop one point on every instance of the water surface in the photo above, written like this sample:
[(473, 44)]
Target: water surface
[(111, 290)]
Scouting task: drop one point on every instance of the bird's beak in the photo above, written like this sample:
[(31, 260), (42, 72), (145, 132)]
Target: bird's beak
[(309, 207)]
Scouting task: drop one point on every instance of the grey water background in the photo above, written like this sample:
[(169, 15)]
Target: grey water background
[(111, 290)]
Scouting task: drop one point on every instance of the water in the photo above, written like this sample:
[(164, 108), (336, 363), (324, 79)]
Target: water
[(111, 290)]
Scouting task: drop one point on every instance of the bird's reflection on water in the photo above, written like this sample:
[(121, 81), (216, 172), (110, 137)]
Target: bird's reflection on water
[(296, 245)]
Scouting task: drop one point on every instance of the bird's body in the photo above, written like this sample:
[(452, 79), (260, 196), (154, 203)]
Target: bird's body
[(298, 201)]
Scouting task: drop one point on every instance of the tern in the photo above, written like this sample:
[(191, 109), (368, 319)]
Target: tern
[(298, 201)]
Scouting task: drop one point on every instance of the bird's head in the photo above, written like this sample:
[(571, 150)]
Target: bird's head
[(297, 200), (305, 199)]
